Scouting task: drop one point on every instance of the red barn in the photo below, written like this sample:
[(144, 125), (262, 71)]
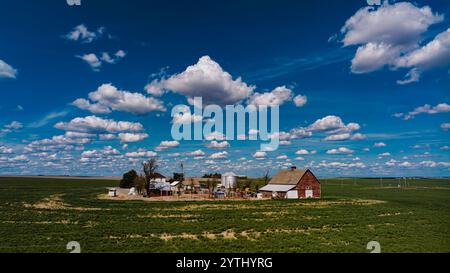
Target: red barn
[(293, 184)]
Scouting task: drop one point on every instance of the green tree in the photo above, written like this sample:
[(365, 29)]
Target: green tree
[(128, 179), (212, 175), (178, 177)]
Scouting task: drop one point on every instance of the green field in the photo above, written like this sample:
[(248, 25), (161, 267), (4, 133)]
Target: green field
[(43, 215)]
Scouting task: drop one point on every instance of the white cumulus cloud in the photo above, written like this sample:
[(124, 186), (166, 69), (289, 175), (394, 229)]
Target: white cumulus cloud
[(391, 35), (82, 34), (260, 155), (164, 145), (218, 145), (196, 153), (95, 62), (109, 98), (205, 79), (132, 137), (7, 71), (219, 155), (141, 154), (93, 124), (300, 100), (341, 150), (425, 109), (276, 97)]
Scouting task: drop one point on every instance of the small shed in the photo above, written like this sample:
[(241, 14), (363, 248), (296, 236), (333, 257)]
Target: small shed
[(219, 195), (293, 184), (112, 192)]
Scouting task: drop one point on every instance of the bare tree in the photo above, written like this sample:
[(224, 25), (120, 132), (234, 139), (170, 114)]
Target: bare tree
[(266, 178), (149, 168), (211, 184), (141, 184)]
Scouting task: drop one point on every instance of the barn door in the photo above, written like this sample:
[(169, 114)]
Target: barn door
[(309, 194)]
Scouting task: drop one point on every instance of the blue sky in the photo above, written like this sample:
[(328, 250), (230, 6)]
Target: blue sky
[(88, 90)]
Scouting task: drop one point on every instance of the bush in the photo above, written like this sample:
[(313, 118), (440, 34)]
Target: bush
[(128, 179)]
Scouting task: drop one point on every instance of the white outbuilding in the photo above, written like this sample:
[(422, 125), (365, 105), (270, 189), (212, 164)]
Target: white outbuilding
[(112, 192)]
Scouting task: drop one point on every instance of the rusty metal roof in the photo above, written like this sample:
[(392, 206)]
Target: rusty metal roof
[(288, 177)]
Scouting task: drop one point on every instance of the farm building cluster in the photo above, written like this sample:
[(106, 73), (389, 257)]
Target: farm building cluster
[(286, 184)]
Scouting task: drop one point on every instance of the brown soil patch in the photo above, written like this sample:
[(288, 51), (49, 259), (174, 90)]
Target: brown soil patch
[(166, 236), (395, 214), (272, 213), (307, 230), (355, 202), (229, 234), (167, 216), (209, 235), (250, 235), (62, 222), (55, 202)]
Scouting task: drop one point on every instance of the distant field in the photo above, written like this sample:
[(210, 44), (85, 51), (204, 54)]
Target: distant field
[(43, 215)]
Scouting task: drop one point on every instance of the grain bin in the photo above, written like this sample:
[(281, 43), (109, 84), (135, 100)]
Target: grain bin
[(229, 181)]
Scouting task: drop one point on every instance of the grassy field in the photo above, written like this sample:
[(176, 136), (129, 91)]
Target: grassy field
[(43, 215)]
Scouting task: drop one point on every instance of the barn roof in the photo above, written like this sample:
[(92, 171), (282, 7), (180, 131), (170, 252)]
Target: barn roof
[(157, 175), (287, 177), (277, 188)]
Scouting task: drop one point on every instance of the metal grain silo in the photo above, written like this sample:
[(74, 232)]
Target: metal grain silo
[(229, 181)]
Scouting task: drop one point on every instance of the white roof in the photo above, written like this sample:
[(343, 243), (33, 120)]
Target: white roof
[(229, 174), (278, 188), (164, 186), (175, 183)]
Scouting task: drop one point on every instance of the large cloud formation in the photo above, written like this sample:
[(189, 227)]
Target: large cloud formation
[(107, 98), (205, 79), (391, 35), (208, 80), (435, 53), (93, 124), (332, 126)]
